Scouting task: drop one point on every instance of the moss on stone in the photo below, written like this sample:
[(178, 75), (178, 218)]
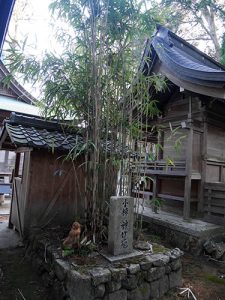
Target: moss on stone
[(157, 248), (215, 279)]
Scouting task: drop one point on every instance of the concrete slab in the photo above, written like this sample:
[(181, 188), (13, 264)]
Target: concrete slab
[(194, 227), (116, 258), (9, 238)]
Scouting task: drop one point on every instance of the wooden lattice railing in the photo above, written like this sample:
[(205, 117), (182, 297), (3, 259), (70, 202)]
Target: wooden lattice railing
[(178, 168), (214, 203)]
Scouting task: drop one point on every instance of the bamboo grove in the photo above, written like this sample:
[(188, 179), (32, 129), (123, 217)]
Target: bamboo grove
[(92, 84)]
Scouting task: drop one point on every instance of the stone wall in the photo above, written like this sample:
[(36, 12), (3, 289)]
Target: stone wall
[(147, 277), (215, 247), (189, 236)]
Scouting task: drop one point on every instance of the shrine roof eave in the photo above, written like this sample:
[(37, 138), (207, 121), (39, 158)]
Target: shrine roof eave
[(183, 64)]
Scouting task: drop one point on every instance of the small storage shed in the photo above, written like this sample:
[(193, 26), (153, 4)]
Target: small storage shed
[(193, 113), (47, 189)]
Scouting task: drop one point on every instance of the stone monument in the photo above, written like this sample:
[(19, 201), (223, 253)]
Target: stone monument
[(121, 219)]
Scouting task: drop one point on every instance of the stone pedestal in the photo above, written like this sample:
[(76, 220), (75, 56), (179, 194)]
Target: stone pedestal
[(121, 219)]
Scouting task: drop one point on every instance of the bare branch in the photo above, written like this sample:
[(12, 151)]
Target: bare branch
[(198, 39)]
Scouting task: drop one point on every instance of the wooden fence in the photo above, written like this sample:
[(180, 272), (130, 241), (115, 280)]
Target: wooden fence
[(160, 167), (214, 203)]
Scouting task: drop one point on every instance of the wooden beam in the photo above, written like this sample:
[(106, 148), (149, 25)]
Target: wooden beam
[(16, 195), (4, 136), (155, 209), (203, 165), (200, 89), (187, 188), (23, 149), (17, 164), (171, 197)]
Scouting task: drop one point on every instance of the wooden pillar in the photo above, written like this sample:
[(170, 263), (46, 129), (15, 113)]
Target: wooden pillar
[(187, 188), (203, 166), (161, 143), (17, 165), (6, 159), (154, 196)]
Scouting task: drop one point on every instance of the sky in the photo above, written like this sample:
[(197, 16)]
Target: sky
[(35, 22), (32, 20)]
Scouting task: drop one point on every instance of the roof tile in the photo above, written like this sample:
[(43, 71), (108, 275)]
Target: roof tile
[(42, 138)]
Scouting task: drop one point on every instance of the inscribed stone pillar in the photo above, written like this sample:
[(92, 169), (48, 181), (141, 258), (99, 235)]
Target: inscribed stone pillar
[(121, 219)]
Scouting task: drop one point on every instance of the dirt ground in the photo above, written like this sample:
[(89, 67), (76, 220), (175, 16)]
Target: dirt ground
[(17, 279), (202, 277)]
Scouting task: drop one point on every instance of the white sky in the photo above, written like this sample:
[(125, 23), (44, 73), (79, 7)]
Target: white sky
[(39, 27), (35, 22)]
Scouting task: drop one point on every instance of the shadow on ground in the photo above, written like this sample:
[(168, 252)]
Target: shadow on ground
[(18, 280)]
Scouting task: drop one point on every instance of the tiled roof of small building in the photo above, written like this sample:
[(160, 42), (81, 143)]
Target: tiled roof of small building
[(42, 138), (24, 131), (39, 133)]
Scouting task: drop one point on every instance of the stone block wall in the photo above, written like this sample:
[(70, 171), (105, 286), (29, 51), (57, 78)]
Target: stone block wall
[(149, 277)]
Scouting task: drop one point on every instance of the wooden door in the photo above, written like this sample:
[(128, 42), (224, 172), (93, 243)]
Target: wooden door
[(20, 185), (16, 207)]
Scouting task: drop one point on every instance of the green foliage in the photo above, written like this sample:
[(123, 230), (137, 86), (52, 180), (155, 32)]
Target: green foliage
[(215, 279), (67, 252), (135, 130), (204, 16), (150, 108), (88, 82), (178, 143), (158, 248), (169, 162), (156, 202), (146, 178), (175, 135), (222, 57)]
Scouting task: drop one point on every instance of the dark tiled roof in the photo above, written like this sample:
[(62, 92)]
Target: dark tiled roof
[(39, 133), (183, 64), (24, 131), (42, 138)]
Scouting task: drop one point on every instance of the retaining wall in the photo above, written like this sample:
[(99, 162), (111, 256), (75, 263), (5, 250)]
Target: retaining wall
[(146, 277)]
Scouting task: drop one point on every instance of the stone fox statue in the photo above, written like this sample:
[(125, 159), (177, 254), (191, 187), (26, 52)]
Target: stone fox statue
[(73, 238)]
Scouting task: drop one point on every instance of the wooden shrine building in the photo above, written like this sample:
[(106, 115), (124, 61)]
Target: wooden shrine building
[(47, 189), (13, 98), (192, 113)]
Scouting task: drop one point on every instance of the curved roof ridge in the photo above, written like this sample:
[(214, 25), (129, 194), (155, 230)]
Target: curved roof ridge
[(181, 63), (22, 94), (172, 35), (184, 65)]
